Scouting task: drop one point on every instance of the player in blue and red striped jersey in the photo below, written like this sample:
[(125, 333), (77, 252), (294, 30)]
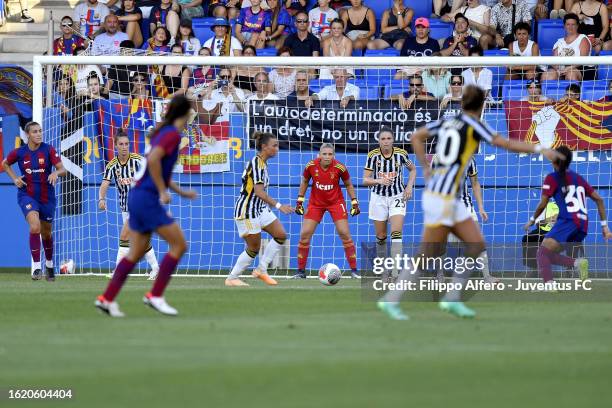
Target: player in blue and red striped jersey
[(36, 192), (147, 213), (569, 191)]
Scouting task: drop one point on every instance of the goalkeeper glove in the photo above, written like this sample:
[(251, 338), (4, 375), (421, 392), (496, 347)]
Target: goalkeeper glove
[(355, 207), (299, 207)]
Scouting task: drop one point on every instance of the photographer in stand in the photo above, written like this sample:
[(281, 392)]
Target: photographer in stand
[(221, 98)]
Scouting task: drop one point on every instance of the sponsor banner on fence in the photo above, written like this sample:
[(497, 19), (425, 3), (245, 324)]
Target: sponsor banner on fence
[(351, 129)]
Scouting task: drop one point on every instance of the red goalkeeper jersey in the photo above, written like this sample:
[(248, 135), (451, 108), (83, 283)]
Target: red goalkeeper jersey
[(326, 183)]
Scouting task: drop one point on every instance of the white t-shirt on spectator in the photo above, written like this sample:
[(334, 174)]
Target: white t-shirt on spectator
[(283, 84), (106, 44), (89, 22), (476, 14), (263, 4), (485, 79), (329, 93), (268, 97), (320, 21), (227, 103), (82, 73), (215, 44)]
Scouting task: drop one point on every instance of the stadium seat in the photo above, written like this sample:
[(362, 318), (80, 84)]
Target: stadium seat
[(498, 72), (316, 85), (514, 90), (594, 90), (369, 93), (605, 52), (395, 87), (379, 76), (440, 30), (145, 28), (266, 52), (548, 34), (422, 8), (604, 72), (387, 52), (378, 7), (555, 89), (201, 28)]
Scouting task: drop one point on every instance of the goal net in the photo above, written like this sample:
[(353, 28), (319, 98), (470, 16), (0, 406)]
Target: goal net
[(89, 99)]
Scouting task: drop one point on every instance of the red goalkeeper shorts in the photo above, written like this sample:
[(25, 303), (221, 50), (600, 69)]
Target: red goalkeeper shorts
[(337, 212)]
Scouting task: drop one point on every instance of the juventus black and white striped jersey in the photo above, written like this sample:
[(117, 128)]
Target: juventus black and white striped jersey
[(248, 204), (457, 141), (123, 175), (466, 197), (391, 166)]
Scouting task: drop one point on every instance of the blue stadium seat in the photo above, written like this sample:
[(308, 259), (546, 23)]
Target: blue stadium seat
[(594, 90), (378, 7), (546, 52), (266, 52), (514, 90), (315, 85), (605, 52), (604, 72), (379, 76), (369, 93), (498, 72), (422, 8), (201, 28), (548, 34), (555, 89), (440, 30), (387, 52), (395, 87)]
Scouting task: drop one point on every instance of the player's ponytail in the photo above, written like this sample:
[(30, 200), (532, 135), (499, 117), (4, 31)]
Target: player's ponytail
[(563, 165), (178, 107), (262, 138)]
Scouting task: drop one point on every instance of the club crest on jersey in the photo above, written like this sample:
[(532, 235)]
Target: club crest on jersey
[(41, 161), (28, 206)]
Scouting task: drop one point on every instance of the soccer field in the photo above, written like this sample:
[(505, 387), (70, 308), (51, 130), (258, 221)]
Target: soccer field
[(296, 345)]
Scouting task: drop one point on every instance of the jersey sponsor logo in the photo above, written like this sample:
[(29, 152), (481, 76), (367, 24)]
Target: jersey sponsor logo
[(324, 187), (127, 181), (391, 174), (30, 171)]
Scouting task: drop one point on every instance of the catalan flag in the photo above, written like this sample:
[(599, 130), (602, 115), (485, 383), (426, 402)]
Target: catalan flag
[(576, 124)]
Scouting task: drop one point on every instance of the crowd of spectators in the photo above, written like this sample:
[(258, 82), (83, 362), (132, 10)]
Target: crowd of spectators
[(330, 29)]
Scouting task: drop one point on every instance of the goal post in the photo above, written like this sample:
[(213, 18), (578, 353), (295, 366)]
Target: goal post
[(214, 154)]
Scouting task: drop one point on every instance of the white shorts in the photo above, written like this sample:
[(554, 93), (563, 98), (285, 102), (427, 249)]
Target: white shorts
[(382, 208), (250, 226), (447, 211), (125, 216)]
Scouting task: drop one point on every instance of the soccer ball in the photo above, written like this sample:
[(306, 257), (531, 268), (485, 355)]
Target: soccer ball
[(67, 267), (329, 274)]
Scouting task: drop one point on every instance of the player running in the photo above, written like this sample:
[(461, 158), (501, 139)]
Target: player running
[(458, 139), (122, 170), (383, 173), (36, 193), (252, 214), (466, 199), (326, 195), (147, 213), (569, 191)]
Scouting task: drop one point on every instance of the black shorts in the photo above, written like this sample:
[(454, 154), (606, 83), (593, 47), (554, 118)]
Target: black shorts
[(393, 36)]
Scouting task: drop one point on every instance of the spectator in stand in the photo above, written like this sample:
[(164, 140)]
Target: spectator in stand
[(320, 19), (416, 92), (89, 15), (539, 9), (159, 41), (534, 92), (25, 15), (262, 89), (251, 25), (394, 27), (139, 88), (561, 8), (175, 77), (129, 18), (336, 45), (65, 96), (302, 91), (112, 5), (107, 43), (283, 78), (191, 9), (436, 81), (572, 93), (573, 44), (456, 92), (522, 47), (280, 24), (594, 23), (68, 42), (203, 76), (120, 77), (248, 3), (186, 38), (341, 90), (461, 42), (478, 75), (363, 31), (479, 17), (164, 15), (293, 6), (94, 90), (244, 76), (223, 43), (302, 43), (504, 16), (221, 98), (419, 46), (81, 72), (608, 97), (224, 8), (339, 4), (442, 7)]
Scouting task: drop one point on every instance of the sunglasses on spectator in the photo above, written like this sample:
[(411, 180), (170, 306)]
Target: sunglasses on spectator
[(456, 83), (416, 84), (301, 21), (138, 79), (224, 77), (66, 24)]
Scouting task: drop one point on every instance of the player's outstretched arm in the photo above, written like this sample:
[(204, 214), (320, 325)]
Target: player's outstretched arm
[(190, 194), (418, 146), (18, 181), (518, 146), (541, 207), (299, 206), (155, 171), (102, 194), (261, 193), (601, 209)]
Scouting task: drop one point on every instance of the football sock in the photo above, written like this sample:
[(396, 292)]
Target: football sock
[(459, 281), (544, 263), (558, 259), (350, 253), (381, 247), (303, 251), (124, 248), (485, 264), (409, 274), (243, 262), (151, 259), (396, 249), (167, 267), (120, 275), (269, 253), (35, 247), (48, 247)]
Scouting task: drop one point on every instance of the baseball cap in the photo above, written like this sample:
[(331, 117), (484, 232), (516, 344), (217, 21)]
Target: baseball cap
[(422, 21)]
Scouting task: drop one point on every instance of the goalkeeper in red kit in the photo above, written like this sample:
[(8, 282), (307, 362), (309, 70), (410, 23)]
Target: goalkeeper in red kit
[(326, 195)]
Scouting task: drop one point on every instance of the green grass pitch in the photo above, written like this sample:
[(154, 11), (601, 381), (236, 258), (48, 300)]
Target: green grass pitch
[(296, 345)]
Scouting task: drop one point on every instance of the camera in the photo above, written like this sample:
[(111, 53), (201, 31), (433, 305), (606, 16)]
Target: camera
[(222, 82)]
